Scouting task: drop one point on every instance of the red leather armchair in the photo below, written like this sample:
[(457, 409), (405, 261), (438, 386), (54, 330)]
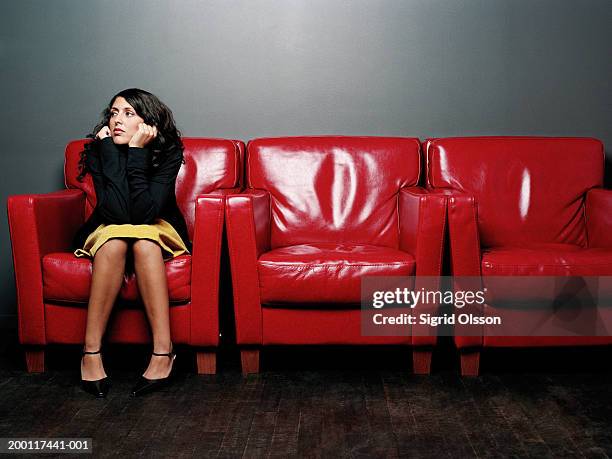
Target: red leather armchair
[(523, 206), (319, 213), (53, 285)]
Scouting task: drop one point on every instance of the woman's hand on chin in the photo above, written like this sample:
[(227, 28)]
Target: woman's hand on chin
[(103, 133), (143, 136)]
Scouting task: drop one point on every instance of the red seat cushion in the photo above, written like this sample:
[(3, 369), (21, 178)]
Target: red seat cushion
[(326, 272), (554, 261), (67, 278), (547, 260)]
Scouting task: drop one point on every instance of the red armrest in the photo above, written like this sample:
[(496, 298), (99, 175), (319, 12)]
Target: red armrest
[(248, 235), (39, 224), (465, 250), (205, 263), (599, 217), (422, 219), (465, 256)]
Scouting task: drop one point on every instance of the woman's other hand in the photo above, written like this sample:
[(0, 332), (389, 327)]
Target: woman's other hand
[(103, 133), (143, 136)]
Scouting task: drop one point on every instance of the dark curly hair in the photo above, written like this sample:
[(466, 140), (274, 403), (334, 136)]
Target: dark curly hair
[(154, 113)]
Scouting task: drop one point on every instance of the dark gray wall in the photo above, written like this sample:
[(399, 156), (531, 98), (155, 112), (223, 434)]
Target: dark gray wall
[(246, 68)]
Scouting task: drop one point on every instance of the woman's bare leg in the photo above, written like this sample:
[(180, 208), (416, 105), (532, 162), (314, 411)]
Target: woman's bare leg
[(151, 278), (108, 270)]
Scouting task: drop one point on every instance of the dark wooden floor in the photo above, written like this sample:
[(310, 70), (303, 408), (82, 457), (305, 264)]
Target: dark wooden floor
[(323, 403)]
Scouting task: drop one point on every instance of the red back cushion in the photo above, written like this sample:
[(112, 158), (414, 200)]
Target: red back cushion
[(210, 165), (333, 189), (528, 189)]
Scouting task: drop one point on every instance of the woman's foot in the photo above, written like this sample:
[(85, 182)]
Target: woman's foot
[(92, 368), (160, 366), (157, 374)]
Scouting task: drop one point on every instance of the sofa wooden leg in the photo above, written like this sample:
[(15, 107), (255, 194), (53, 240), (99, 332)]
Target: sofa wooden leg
[(470, 362), (421, 361), (206, 362), (35, 360), (250, 361)]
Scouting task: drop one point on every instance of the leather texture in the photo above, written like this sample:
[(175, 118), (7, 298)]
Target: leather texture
[(320, 213), (39, 224), (528, 189), (53, 285), (341, 189), (547, 260), (325, 272), (66, 325), (598, 214), (67, 278), (522, 206), (300, 327)]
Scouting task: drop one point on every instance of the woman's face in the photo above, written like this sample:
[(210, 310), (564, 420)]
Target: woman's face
[(123, 121)]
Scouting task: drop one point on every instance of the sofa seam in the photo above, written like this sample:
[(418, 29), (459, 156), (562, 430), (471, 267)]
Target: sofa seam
[(270, 264)]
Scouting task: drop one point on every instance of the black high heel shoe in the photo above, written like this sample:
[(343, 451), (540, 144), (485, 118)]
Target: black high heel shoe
[(145, 385), (99, 387)]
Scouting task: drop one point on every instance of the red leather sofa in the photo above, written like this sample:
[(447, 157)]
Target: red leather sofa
[(53, 285), (318, 214), (523, 206)]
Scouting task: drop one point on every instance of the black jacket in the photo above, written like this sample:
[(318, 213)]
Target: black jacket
[(130, 190)]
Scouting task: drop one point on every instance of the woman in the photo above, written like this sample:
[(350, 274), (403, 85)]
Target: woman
[(134, 159)]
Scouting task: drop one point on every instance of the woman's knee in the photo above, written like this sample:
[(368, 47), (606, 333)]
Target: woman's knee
[(113, 248), (144, 248)]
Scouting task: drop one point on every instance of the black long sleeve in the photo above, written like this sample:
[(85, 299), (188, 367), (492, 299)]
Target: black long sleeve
[(149, 193), (130, 190), (108, 170)]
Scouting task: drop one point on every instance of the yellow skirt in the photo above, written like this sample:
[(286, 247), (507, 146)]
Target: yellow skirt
[(161, 232)]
